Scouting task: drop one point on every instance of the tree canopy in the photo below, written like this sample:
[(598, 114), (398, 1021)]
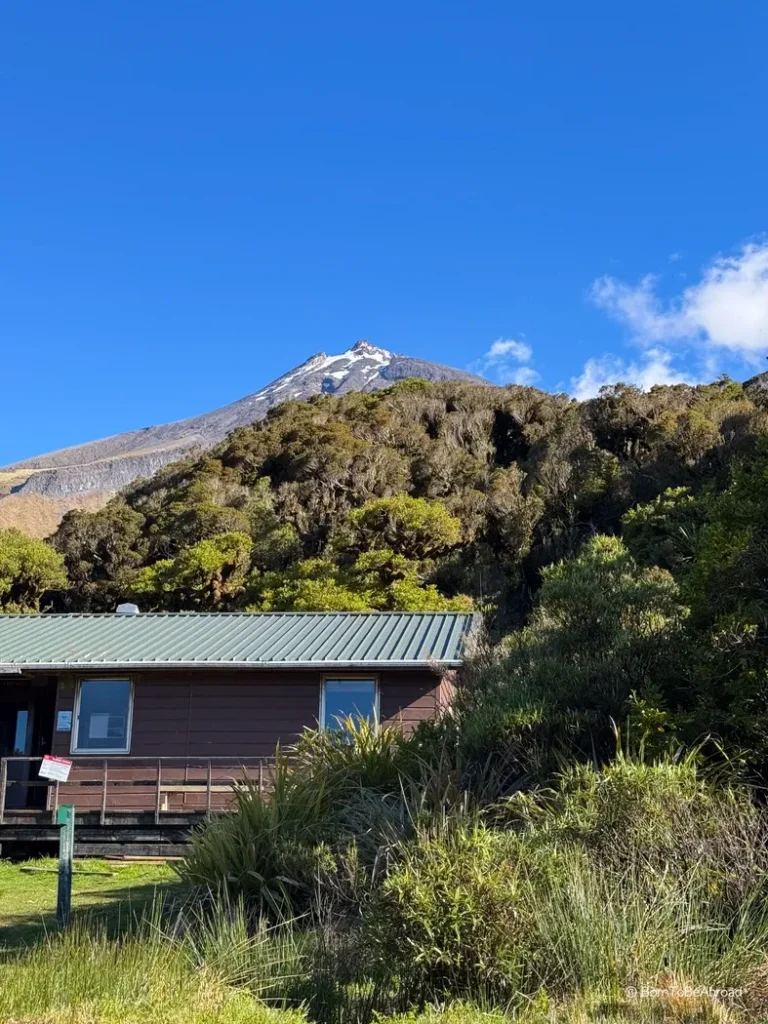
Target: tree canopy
[(461, 491), (29, 569)]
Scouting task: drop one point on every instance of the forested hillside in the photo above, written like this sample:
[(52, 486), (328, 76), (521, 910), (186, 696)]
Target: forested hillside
[(36, 493), (424, 495)]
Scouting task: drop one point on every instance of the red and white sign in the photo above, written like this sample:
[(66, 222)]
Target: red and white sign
[(57, 768)]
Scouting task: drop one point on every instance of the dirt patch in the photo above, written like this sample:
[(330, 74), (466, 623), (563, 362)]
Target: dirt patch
[(38, 515)]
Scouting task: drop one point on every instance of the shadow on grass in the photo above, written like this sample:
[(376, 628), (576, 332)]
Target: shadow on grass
[(116, 911)]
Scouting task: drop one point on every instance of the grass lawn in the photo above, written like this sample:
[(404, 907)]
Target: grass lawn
[(101, 970), (28, 900)]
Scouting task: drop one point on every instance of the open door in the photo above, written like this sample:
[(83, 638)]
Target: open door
[(26, 730)]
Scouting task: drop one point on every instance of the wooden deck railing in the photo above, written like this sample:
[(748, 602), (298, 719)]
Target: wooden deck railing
[(161, 786)]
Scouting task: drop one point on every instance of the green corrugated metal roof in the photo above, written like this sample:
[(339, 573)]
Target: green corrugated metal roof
[(277, 639)]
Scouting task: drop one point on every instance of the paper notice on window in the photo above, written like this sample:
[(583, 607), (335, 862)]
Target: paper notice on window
[(98, 728)]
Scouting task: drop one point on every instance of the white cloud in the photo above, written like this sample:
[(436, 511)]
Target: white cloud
[(653, 367), (635, 305), (730, 305), (506, 362), (727, 309), (504, 348), (714, 324), (524, 375)]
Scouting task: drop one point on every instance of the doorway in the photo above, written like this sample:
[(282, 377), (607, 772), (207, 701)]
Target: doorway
[(26, 730)]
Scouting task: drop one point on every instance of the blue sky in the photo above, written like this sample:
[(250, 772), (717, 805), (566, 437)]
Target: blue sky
[(195, 197)]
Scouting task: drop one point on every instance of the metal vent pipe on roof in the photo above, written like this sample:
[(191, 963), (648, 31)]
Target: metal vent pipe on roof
[(127, 609)]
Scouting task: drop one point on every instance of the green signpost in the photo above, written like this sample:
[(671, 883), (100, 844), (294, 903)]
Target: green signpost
[(65, 817)]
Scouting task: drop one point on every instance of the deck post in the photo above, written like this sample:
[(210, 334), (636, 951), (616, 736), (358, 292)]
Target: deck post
[(66, 820), (3, 786), (158, 793), (208, 791), (261, 775), (103, 817)]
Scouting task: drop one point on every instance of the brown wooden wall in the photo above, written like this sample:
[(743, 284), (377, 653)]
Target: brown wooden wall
[(197, 715), (243, 714)]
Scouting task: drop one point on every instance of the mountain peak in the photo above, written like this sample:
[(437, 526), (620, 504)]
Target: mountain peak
[(89, 474), (366, 348)]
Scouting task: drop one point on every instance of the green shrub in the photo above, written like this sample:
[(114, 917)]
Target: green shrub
[(603, 627), (617, 878), (493, 919), (457, 914), (663, 815)]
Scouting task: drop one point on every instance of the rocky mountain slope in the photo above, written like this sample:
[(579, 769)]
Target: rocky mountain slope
[(35, 492)]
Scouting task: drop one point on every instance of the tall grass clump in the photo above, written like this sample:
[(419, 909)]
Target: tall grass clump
[(84, 976), (223, 938), (575, 1011), (333, 807), (329, 971)]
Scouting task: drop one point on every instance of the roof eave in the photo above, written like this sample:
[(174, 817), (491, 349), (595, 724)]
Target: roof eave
[(127, 666)]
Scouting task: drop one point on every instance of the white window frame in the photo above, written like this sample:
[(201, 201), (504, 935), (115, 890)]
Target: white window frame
[(73, 747), (347, 677)]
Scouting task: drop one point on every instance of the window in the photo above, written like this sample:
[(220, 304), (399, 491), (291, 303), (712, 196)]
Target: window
[(103, 717), (348, 698)]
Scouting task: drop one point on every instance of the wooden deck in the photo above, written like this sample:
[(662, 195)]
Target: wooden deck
[(122, 804)]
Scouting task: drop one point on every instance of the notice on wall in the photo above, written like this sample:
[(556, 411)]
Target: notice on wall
[(57, 768), (64, 721)]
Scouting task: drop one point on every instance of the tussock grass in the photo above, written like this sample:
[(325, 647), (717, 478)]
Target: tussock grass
[(84, 977), (592, 1010), (328, 793)]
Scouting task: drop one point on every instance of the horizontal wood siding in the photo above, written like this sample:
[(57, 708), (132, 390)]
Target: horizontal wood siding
[(447, 691), (199, 714), (407, 698)]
